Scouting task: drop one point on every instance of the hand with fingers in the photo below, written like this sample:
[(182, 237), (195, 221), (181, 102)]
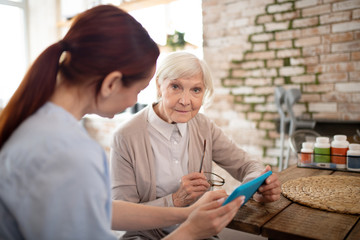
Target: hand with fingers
[(208, 217), (270, 191), (192, 187)]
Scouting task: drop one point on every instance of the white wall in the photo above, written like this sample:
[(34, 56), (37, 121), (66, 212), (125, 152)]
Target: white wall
[(42, 25)]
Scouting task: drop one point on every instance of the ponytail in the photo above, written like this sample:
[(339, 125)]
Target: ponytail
[(35, 89)]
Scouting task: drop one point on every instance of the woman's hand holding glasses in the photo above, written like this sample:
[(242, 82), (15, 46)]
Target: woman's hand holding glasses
[(192, 187)]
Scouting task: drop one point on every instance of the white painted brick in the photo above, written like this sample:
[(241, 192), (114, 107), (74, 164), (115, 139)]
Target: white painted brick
[(355, 56), (356, 97), (338, 67), (259, 47), (271, 116), (242, 90), (267, 125), (263, 37), (316, 50), (252, 64), (310, 97), (257, 81), (254, 99), (291, 71), (346, 46), (303, 79), (263, 73), (335, 17), (348, 87), (299, 109), (288, 53), (335, 57), (254, 116), (346, 26), (233, 81), (287, 15), (265, 19), (349, 107), (325, 115), (251, 30), (283, 35), (304, 61), (333, 77), (317, 10), (276, 26), (242, 107), (270, 107), (319, 88), (350, 116), (238, 23), (345, 5), (253, 11), (280, 7), (323, 107), (306, 3), (273, 152), (275, 63), (261, 55), (355, 76), (330, 1), (264, 90), (307, 41), (280, 44), (356, 14), (313, 31), (272, 161), (336, 97), (221, 91), (279, 81), (305, 22)]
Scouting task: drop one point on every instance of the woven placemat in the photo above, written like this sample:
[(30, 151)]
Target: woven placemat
[(331, 193)]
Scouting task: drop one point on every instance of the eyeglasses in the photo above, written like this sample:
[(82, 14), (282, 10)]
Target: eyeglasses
[(214, 179)]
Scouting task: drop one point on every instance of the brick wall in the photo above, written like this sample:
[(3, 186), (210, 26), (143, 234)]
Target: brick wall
[(252, 46)]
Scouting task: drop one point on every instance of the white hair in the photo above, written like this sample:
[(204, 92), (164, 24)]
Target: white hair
[(184, 65)]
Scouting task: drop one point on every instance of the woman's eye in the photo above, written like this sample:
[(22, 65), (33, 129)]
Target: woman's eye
[(175, 86), (197, 90)]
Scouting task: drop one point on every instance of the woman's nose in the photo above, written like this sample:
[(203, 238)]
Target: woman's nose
[(185, 98)]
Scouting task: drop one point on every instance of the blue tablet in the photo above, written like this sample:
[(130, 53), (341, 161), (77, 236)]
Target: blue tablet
[(247, 189)]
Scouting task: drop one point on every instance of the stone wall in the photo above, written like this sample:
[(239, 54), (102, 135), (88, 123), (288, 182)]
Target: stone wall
[(252, 46)]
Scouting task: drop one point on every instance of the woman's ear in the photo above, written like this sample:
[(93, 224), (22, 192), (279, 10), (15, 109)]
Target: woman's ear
[(111, 83)]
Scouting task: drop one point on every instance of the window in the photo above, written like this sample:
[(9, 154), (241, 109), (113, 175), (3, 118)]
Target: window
[(13, 47)]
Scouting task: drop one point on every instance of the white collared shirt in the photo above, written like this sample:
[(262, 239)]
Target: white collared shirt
[(169, 143)]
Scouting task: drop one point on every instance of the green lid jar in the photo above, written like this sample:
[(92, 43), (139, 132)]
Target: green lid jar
[(322, 150)]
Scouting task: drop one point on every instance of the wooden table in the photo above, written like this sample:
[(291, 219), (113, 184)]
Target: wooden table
[(285, 219)]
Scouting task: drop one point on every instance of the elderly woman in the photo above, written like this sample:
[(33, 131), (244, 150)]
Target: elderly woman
[(156, 157)]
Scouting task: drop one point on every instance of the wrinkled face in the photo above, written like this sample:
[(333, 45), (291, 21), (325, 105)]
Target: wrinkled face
[(181, 99)]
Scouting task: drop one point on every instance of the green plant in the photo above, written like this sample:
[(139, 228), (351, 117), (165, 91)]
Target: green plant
[(176, 40)]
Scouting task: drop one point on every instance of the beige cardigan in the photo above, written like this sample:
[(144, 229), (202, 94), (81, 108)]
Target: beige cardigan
[(132, 162)]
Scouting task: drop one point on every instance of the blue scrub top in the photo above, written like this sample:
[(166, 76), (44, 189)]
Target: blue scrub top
[(54, 181)]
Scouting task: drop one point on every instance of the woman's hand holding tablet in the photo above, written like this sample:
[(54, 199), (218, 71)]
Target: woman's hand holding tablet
[(248, 189)]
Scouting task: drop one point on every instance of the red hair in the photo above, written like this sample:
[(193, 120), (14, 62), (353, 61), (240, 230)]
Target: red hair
[(101, 40)]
